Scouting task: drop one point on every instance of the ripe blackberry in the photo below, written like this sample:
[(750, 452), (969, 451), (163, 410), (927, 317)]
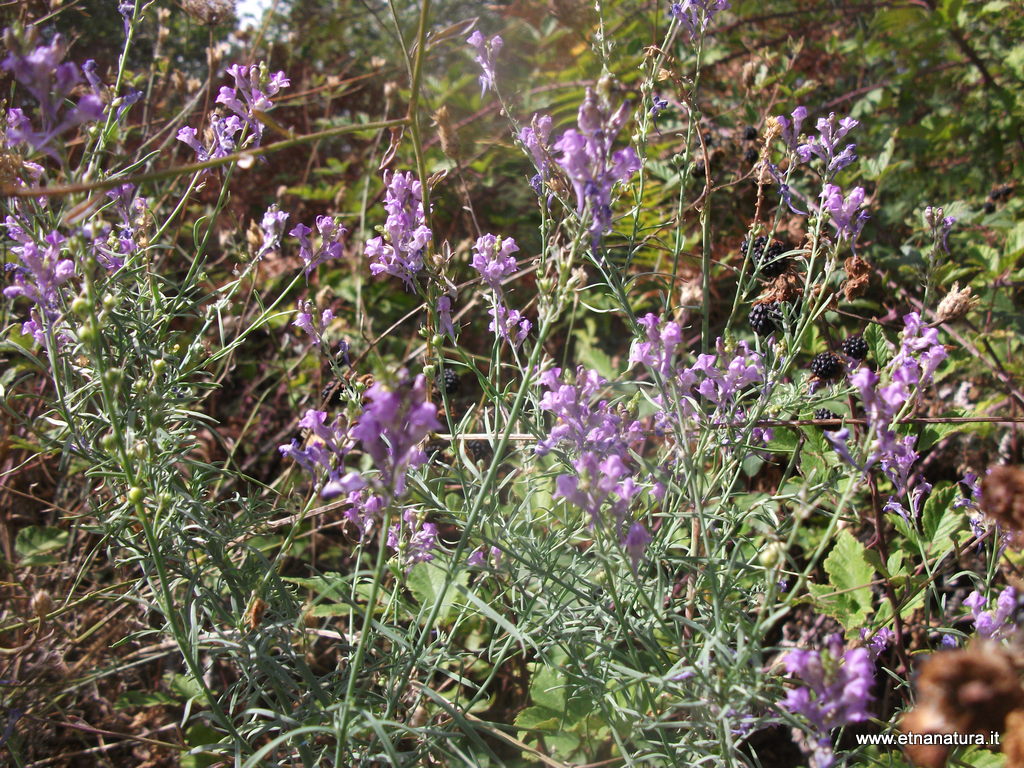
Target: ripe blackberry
[(751, 156), (449, 381), (764, 318), (855, 347), (479, 450), (826, 366), (749, 133), (767, 256), (825, 413)]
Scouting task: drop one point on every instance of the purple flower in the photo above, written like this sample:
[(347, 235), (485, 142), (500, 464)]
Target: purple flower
[(399, 252), (304, 320), (486, 52), (695, 15), (825, 144), (791, 129), (44, 74), (658, 105), (39, 276), (444, 316), (493, 259), (879, 641), (912, 367), (998, 623), (845, 213), (836, 691), (391, 427), (412, 539), (324, 453), (509, 324), (591, 165), (251, 94), (535, 138), (636, 542), (272, 229), (222, 138), (663, 341), (331, 233), (584, 423)]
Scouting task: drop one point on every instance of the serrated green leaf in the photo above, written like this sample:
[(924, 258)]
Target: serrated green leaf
[(850, 575), (939, 521), (879, 352)]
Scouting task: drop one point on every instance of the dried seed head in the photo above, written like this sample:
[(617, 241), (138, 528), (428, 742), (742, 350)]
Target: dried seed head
[(969, 691), (858, 275), (1002, 496), (1013, 739), (254, 613), (446, 133), (956, 304), (210, 12)]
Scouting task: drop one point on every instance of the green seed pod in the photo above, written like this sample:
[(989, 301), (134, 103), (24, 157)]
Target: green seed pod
[(81, 306), (136, 495), (159, 366), (772, 555)]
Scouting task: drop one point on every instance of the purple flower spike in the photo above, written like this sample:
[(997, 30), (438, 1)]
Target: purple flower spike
[(44, 74), (535, 138), (38, 278), (836, 692), (272, 229), (845, 213), (250, 95), (994, 624), (493, 259), (695, 15), (825, 144), (392, 426), (791, 129), (591, 165), (399, 252), (331, 233), (509, 324), (636, 542), (486, 52)]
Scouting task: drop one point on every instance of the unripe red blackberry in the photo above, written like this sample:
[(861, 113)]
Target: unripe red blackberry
[(826, 366), (855, 347), (764, 318)]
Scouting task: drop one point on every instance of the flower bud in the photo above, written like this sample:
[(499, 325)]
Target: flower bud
[(136, 495)]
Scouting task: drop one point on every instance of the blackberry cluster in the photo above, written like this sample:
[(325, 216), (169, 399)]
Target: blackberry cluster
[(825, 413), (855, 347), (826, 366), (765, 318), (767, 256), (479, 450), (449, 381)]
